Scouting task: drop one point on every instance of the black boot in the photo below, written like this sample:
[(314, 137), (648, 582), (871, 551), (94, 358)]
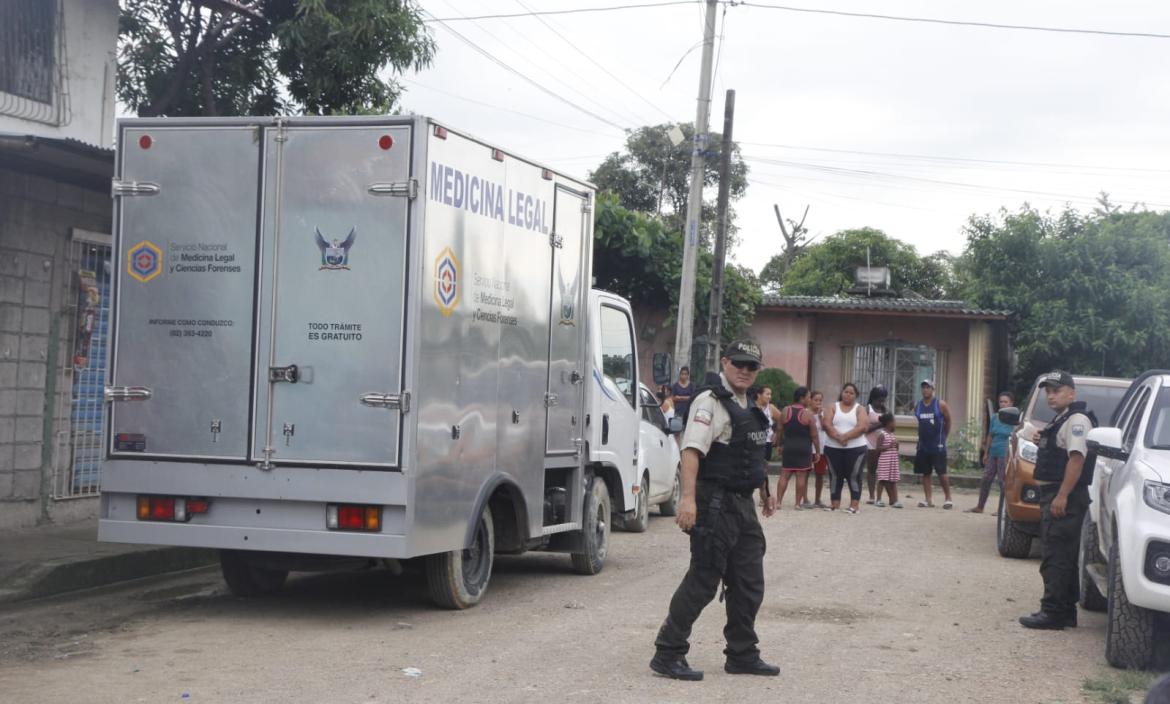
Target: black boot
[(759, 667), (1043, 620), (675, 667)]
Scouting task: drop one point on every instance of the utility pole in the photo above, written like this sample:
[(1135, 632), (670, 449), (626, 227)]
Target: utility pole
[(715, 317), (686, 296)]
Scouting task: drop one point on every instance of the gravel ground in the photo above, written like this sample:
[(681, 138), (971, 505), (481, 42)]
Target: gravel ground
[(909, 605)]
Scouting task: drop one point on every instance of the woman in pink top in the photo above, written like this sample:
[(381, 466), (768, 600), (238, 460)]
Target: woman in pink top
[(874, 409)]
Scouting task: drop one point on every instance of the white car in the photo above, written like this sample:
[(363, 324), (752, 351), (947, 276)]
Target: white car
[(1125, 541), (658, 463)]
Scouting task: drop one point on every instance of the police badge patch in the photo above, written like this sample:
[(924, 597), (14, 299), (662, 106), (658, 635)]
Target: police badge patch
[(1077, 430), (703, 416)]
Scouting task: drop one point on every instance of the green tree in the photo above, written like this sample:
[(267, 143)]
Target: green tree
[(1088, 292), (826, 268), (194, 57), (653, 176)]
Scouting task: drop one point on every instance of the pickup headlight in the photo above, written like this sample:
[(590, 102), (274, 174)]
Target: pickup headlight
[(1157, 496), (1028, 451)]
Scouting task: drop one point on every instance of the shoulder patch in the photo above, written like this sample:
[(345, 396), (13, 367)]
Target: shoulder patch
[(1077, 430), (703, 416)]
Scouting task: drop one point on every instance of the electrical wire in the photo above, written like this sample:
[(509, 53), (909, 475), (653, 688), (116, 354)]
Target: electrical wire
[(574, 11)]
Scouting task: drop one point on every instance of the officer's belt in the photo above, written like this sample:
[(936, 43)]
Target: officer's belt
[(713, 486)]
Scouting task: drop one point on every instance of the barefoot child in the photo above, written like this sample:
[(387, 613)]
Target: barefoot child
[(888, 472)]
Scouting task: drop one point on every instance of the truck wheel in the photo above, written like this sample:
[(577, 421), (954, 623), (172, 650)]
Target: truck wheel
[(1129, 630), (244, 578), (594, 530), (640, 521), (458, 579), (1011, 541), (1091, 598), (670, 506)]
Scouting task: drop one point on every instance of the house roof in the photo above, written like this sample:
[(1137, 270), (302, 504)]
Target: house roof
[(881, 305), (68, 160)]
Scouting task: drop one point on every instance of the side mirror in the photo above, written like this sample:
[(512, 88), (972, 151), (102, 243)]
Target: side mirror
[(1106, 442), (661, 368), (676, 425), (1009, 416)]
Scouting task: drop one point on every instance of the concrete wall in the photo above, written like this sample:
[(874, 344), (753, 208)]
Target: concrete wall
[(37, 216), (91, 34)]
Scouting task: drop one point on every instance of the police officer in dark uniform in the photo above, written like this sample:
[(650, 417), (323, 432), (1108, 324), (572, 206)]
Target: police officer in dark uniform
[(1064, 480), (722, 466)]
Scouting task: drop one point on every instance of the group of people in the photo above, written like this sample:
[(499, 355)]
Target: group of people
[(731, 431)]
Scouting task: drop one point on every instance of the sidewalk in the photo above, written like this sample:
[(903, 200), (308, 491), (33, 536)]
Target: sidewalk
[(38, 562)]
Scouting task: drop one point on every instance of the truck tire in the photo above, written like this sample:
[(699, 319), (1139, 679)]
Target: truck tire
[(1091, 597), (640, 521), (244, 578), (1011, 541), (594, 530), (1129, 629), (458, 579), (670, 506)]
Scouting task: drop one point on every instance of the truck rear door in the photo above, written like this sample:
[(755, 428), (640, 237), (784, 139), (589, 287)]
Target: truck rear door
[(566, 336)]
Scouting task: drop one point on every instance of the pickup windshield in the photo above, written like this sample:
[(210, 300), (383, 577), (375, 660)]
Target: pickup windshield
[(1158, 430), (1101, 400)]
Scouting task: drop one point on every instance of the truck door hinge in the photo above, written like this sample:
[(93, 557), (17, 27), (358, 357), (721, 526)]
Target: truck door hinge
[(586, 207), (375, 399), (556, 241), (281, 130), (550, 400), (132, 188), (408, 188), (289, 374)]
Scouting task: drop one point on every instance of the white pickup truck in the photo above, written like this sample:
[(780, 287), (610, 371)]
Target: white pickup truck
[(1125, 541)]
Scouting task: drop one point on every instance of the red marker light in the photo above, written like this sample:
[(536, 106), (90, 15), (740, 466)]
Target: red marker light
[(440, 132), (145, 141), (498, 155), (386, 141)]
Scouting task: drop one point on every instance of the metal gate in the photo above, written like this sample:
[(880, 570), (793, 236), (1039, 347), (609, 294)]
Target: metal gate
[(77, 465)]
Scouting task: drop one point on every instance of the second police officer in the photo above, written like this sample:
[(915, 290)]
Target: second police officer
[(722, 466)]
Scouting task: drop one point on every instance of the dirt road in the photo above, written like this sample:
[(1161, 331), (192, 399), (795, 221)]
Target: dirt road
[(890, 605)]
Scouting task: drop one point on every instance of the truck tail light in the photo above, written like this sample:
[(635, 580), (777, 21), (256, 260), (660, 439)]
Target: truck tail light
[(353, 517), (440, 132), (170, 508)]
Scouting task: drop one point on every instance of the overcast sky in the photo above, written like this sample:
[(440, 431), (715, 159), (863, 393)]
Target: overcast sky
[(930, 105)]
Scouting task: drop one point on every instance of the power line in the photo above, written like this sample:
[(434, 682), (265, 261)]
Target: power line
[(958, 23), (536, 13), (488, 55)]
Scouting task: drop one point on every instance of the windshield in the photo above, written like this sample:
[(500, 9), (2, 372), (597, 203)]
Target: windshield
[(1101, 400), (1158, 431)]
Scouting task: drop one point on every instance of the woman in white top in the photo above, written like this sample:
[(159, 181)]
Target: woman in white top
[(845, 425)]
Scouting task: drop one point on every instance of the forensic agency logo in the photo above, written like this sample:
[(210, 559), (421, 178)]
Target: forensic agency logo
[(335, 253), (566, 311), (446, 281), (144, 261)]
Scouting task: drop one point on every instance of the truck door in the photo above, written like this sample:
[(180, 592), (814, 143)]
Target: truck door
[(329, 383), (185, 227), (564, 399)]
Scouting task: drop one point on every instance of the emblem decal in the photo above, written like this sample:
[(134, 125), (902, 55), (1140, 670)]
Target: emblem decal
[(446, 281), (703, 416), (144, 261), (1078, 430), (567, 312), (335, 254)]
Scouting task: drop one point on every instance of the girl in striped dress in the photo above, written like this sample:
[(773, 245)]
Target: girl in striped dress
[(888, 472)]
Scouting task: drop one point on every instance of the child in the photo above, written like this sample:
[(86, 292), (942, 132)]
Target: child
[(888, 473)]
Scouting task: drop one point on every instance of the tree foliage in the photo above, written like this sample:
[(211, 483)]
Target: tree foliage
[(827, 267), (1088, 292), (653, 176), (190, 57)]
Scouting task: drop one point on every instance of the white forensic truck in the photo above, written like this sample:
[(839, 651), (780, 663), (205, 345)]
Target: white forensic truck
[(342, 341)]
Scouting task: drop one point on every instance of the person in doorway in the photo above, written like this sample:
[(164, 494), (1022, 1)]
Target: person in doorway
[(681, 393), (888, 471), (874, 408), (1063, 480), (846, 423), (934, 425), (722, 467), (995, 446), (821, 465), (800, 444)]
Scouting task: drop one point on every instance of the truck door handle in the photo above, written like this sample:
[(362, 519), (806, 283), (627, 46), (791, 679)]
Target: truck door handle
[(375, 399), (605, 429), (127, 393)]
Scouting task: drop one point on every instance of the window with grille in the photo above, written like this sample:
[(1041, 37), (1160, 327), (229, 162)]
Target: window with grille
[(901, 366), (26, 48)]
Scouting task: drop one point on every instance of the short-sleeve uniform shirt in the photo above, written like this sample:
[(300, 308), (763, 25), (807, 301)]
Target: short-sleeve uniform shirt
[(710, 421), (1072, 435)]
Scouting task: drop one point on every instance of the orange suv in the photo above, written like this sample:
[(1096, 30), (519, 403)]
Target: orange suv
[(1018, 519)]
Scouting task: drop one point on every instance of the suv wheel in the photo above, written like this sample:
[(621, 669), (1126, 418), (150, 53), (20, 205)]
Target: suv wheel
[(1129, 630), (1011, 541), (1091, 597)]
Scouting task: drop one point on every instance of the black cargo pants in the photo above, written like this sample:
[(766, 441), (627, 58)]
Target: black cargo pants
[(727, 544), (1060, 543)]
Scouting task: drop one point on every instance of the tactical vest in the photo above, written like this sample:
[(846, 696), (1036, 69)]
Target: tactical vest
[(739, 465), (1051, 460)]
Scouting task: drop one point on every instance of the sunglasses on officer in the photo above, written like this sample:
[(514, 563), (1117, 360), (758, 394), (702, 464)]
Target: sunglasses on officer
[(750, 366)]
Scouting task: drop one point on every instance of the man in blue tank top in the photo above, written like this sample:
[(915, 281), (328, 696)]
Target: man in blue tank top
[(934, 425)]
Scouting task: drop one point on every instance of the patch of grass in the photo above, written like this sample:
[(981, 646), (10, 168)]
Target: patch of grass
[(1117, 686)]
